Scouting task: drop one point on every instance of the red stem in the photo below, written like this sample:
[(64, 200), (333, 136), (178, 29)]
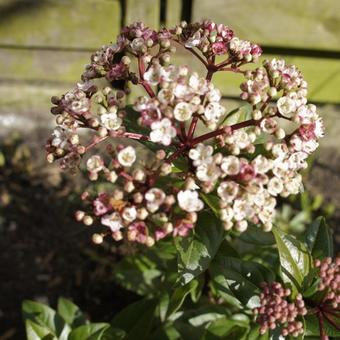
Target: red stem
[(223, 130), (194, 121), (231, 69), (95, 142), (173, 156), (331, 321), (321, 327), (147, 87)]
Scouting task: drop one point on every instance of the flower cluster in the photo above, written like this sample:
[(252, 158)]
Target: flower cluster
[(275, 310), (137, 208), (330, 280), (217, 39), (243, 166)]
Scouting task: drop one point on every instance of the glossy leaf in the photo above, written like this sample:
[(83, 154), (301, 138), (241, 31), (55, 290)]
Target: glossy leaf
[(196, 253), (235, 280), (136, 319), (319, 239), (257, 236), (93, 331), (295, 259), (70, 312), (178, 296), (212, 201)]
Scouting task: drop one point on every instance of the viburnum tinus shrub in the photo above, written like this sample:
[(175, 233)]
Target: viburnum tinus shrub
[(199, 207)]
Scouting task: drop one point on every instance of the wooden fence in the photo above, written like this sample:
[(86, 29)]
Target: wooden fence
[(44, 44)]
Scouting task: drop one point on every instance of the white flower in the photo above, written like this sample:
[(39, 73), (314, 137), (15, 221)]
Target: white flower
[(261, 164), (198, 85), (129, 214), (226, 214), (162, 131), (214, 95), (228, 191), (202, 154), (59, 137), (275, 186), (183, 111), (213, 112), (127, 156), (194, 40), (95, 164), (208, 172), (110, 121), (189, 201), (286, 106), (113, 221), (153, 74), (154, 198), (230, 165)]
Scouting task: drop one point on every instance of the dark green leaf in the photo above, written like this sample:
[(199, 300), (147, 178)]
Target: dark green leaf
[(312, 326), (212, 201), (196, 253), (113, 334), (136, 319), (256, 235), (295, 259), (138, 274), (178, 296), (319, 239), (235, 278), (92, 331), (70, 313)]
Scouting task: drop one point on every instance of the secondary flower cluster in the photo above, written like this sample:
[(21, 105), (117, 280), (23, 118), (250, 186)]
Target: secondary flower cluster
[(136, 206), (330, 280), (243, 166), (275, 310)]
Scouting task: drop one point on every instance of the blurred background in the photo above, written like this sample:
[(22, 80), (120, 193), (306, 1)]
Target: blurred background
[(44, 45)]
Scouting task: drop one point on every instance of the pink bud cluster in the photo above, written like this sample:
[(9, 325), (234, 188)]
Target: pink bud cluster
[(275, 310), (330, 280), (227, 161)]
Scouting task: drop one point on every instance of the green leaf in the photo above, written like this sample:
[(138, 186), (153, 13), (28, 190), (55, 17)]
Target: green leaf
[(138, 274), (196, 253), (178, 296), (235, 280), (212, 201), (238, 115), (46, 317), (70, 313), (256, 235), (254, 334), (113, 333), (35, 331), (312, 327), (319, 239), (92, 331), (295, 259), (136, 319), (226, 328)]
